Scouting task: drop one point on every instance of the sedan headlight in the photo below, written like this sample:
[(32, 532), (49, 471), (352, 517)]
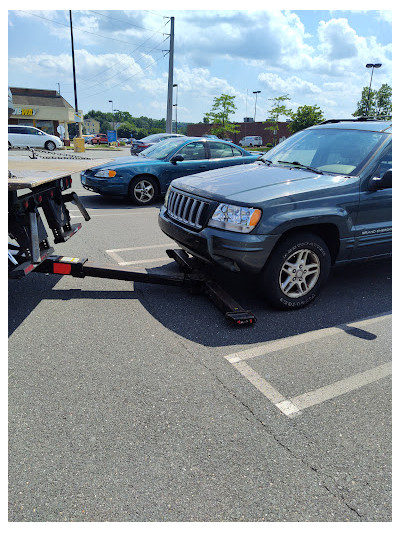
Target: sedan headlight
[(105, 173), (235, 218)]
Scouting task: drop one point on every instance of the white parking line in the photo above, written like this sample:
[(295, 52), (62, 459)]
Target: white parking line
[(292, 407), (144, 261), (115, 214), (341, 387), (288, 342), (118, 259)]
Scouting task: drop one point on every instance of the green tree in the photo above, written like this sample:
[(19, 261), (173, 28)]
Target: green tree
[(375, 103), (278, 108), (383, 101), (221, 110), (366, 104), (304, 117)]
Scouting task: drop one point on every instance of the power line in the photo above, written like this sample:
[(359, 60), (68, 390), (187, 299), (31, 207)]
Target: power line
[(120, 61), (79, 29), (158, 14), (113, 76), (120, 20), (126, 79)]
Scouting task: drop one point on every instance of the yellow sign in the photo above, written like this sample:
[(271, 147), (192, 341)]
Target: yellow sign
[(27, 112)]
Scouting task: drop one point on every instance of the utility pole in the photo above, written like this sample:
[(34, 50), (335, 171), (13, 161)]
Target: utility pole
[(168, 127), (78, 125), (255, 105)]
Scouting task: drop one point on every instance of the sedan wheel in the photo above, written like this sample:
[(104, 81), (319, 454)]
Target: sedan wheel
[(142, 190)]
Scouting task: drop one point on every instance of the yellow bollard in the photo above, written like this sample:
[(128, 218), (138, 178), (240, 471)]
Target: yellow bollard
[(79, 144)]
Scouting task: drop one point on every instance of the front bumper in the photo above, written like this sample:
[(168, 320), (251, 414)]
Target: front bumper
[(108, 186), (233, 251)]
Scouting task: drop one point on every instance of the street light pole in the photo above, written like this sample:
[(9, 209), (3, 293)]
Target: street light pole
[(112, 112), (371, 65), (255, 105)]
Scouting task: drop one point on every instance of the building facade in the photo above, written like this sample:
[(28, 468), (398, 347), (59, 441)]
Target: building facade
[(91, 125), (245, 129), (43, 109)]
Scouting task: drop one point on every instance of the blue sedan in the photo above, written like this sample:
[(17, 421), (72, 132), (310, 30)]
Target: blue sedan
[(143, 177)]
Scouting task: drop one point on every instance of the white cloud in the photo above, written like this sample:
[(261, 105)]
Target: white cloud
[(292, 84)]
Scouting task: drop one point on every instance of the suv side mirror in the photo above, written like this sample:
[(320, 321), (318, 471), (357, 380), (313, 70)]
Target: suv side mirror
[(174, 159), (381, 182)]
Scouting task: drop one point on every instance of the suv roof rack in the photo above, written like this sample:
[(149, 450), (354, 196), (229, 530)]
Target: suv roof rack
[(357, 119)]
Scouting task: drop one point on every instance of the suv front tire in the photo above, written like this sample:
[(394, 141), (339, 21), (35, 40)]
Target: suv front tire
[(296, 271)]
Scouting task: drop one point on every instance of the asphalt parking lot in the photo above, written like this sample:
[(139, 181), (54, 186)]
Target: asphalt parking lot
[(136, 402)]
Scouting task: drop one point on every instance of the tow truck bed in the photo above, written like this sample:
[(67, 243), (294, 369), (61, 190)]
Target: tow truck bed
[(27, 173)]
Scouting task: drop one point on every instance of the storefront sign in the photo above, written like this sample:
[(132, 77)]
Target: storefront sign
[(112, 136), (28, 112)]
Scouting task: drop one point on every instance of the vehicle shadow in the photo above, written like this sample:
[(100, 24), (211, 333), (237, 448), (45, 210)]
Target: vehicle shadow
[(352, 293), (96, 201)]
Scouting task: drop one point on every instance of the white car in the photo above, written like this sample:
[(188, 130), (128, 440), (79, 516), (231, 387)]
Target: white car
[(32, 138)]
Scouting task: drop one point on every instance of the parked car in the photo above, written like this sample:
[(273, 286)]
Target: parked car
[(87, 138), (20, 136), (251, 140), (319, 198), (99, 138), (208, 136), (138, 146), (144, 177)]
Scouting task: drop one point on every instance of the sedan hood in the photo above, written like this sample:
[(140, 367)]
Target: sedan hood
[(255, 182), (129, 161)]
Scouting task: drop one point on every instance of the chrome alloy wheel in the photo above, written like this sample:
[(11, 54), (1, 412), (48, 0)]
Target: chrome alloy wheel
[(299, 273), (144, 191)]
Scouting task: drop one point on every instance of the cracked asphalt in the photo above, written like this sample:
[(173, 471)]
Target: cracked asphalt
[(123, 406)]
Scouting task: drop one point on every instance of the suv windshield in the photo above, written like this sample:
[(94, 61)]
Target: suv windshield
[(162, 149), (337, 151)]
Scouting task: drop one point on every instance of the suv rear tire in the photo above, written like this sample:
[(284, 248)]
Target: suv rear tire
[(296, 271)]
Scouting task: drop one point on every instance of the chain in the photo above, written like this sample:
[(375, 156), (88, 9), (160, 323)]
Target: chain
[(39, 154)]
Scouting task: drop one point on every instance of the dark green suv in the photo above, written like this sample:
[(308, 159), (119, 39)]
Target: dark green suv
[(321, 197)]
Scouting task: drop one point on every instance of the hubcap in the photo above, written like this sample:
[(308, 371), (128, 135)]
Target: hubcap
[(299, 273), (143, 191)]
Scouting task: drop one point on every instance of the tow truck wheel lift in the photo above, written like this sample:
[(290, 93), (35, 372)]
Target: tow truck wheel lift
[(33, 253), (189, 277)]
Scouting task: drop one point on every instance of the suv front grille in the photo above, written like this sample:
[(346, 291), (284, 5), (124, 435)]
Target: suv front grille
[(186, 209)]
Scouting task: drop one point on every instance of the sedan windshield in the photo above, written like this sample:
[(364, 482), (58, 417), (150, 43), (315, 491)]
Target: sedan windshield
[(162, 149), (337, 151)]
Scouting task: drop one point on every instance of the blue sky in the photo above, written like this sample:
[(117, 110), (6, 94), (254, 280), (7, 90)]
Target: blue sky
[(316, 57)]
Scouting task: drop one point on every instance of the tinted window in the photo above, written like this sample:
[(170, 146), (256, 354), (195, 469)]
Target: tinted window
[(219, 150), (21, 129), (156, 137), (193, 151)]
